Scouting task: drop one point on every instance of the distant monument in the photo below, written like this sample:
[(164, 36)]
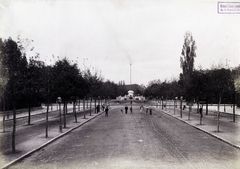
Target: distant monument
[(130, 94)]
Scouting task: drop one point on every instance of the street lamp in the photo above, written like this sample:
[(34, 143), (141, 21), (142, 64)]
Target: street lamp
[(90, 106), (59, 100), (175, 100), (181, 105), (98, 106), (162, 102), (84, 107)]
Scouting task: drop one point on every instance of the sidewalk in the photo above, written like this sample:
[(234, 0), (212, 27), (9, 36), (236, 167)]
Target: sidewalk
[(228, 130), (41, 109), (36, 143), (224, 109), (227, 108)]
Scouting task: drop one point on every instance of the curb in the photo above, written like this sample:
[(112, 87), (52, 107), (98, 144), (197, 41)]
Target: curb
[(219, 138), (47, 143)]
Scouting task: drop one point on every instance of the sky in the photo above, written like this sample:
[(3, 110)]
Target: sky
[(109, 35)]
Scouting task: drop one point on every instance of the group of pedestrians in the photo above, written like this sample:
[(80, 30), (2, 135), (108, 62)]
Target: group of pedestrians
[(105, 108), (141, 109), (146, 108), (126, 109)]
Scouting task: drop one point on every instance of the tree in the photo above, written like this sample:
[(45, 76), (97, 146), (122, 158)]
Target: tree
[(31, 77), (15, 63), (166, 89), (34, 84), (108, 89), (94, 83), (67, 83), (237, 85), (3, 71), (3, 81), (221, 85), (187, 62)]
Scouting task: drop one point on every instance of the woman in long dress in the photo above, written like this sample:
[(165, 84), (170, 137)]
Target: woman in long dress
[(141, 109)]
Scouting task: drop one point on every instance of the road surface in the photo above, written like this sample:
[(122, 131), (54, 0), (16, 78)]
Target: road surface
[(135, 141)]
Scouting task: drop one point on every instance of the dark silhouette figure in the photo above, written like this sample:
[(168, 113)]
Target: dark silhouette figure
[(126, 109), (141, 108), (98, 108), (106, 111), (200, 111)]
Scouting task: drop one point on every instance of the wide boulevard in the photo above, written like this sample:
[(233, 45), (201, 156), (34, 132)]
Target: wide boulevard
[(135, 140)]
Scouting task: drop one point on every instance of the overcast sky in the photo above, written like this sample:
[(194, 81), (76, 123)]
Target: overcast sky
[(108, 35)]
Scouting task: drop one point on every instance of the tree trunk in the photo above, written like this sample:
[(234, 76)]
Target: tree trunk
[(64, 115), (74, 110), (60, 118), (8, 110), (84, 108), (234, 106), (234, 112), (47, 119), (95, 105), (207, 108), (66, 108), (90, 107), (4, 114), (87, 103), (197, 107), (14, 128), (218, 115), (190, 108), (29, 113)]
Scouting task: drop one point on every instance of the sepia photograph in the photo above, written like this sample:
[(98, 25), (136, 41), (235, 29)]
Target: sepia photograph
[(119, 84)]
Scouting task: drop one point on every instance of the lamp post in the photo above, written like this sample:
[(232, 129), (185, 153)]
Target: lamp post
[(162, 102), (98, 106), (84, 107), (156, 102), (95, 105), (175, 104), (90, 106), (59, 100), (181, 106)]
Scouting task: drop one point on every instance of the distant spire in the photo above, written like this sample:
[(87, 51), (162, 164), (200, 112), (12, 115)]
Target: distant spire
[(130, 73)]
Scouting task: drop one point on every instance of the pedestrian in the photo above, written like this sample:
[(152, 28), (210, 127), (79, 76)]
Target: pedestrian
[(126, 109), (146, 109), (131, 109), (200, 110), (141, 108), (98, 108), (150, 111), (121, 109), (106, 111)]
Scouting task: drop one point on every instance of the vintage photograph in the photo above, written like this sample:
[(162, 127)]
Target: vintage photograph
[(119, 84)]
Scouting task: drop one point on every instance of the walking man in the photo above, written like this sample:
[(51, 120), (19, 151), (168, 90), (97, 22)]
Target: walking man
[(200, 110), (126, 109), (141, 108), (150, 111), (106, 111)]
